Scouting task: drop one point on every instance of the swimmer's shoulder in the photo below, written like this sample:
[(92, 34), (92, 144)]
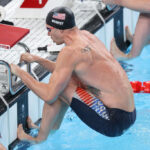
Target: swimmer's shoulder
[(70, 53), (87, 33), (90, 36)]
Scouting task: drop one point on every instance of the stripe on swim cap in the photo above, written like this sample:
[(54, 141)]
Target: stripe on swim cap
[(61, 18)]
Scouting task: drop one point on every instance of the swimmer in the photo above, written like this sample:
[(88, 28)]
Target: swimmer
[(141, 36), (85, 77)]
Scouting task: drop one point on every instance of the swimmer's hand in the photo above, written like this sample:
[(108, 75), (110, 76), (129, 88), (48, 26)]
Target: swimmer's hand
[(15, 69), (28, 58)]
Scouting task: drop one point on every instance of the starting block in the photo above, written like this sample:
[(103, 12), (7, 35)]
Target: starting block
[(38, 8), (33, 4), (11, 35)]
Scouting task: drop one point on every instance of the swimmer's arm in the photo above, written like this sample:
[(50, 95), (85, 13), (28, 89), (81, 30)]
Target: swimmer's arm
[(34, 85), (47, 64), (58, 81), (61, 76), (137, 5)]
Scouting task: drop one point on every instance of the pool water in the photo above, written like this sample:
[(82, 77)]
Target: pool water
[(75, 135)]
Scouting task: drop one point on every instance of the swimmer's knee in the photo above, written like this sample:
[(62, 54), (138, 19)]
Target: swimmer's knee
[(64, 101)]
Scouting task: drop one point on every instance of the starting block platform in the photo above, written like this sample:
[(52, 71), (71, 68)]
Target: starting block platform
[(11, 35), (37, 8)]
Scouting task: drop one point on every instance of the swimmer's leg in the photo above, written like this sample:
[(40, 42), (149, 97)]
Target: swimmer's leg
[(30, 124), (51, 119), (129, 35), (141, 36), (140, 39), (52, 114)]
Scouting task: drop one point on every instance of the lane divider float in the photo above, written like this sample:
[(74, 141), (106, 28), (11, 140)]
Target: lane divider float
[(139, 86)]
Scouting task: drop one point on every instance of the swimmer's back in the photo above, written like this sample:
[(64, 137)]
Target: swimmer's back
[(98, 69)]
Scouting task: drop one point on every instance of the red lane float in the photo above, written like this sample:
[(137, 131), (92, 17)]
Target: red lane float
[(138, 86)]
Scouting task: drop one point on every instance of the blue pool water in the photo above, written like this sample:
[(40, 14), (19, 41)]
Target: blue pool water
[(75, 135)]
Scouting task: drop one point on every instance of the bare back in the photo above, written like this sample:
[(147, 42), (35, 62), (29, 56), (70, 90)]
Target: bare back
[(101, 73)]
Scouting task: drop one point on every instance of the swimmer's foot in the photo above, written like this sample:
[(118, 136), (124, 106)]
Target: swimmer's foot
[(21, 134), (115, 51), (31, 125), (129, 36)]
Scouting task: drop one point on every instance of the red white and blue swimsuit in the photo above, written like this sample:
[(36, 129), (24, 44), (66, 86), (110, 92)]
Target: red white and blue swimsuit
[(108, 121)]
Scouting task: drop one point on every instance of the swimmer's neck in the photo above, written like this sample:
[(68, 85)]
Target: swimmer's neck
[(70, 35)]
